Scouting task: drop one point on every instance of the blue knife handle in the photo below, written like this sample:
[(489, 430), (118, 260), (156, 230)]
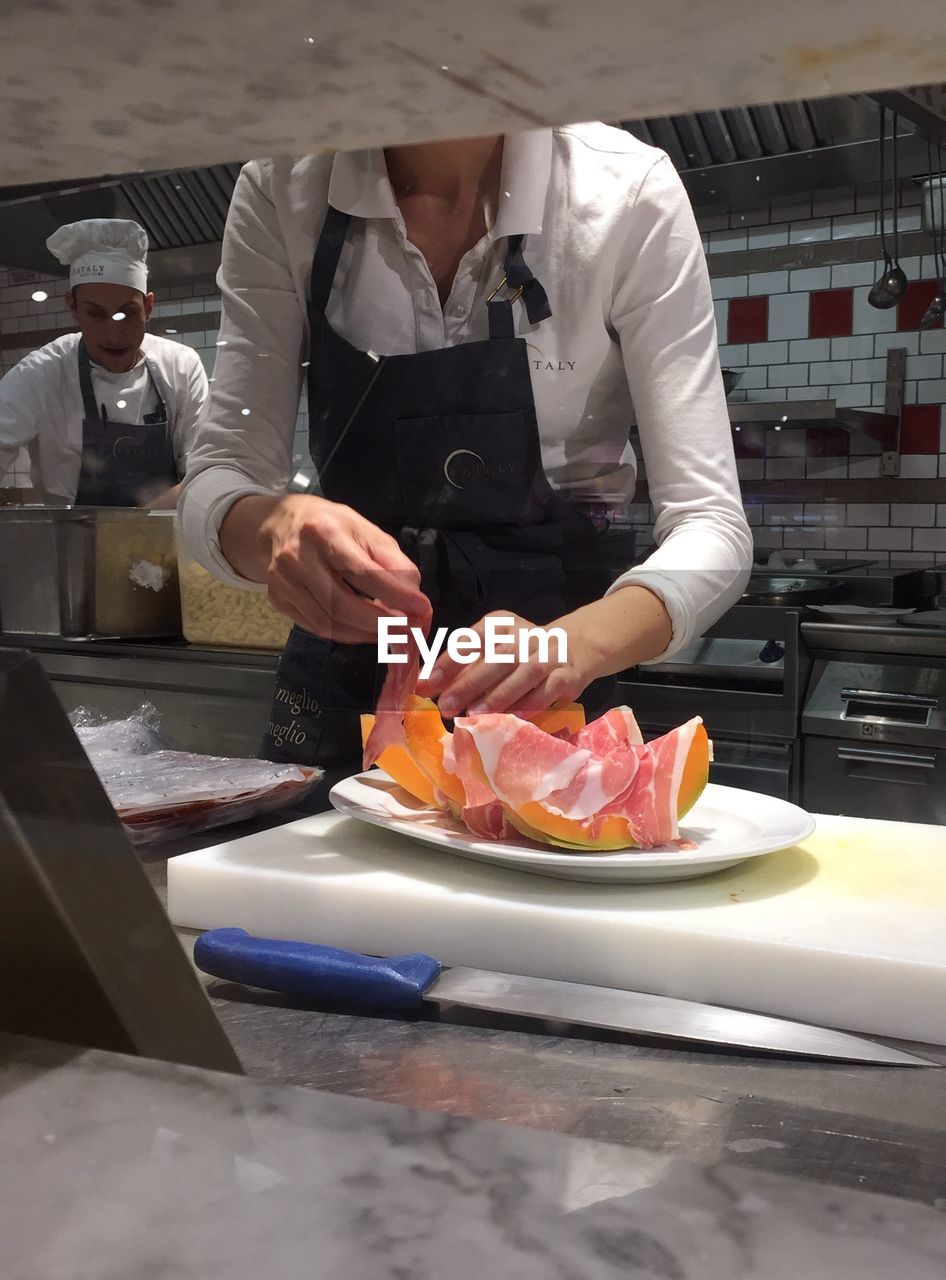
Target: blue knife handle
[(322, 973)]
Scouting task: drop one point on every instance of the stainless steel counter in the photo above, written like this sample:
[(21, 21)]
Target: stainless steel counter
[(867, 1127), (209, 700), (877, 1129)]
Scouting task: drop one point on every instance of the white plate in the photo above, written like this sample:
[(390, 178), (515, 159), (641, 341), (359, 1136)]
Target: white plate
[(726, 824)]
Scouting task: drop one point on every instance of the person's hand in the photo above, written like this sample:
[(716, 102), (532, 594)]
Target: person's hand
[(523, 685), (602, 638), (330, 570)]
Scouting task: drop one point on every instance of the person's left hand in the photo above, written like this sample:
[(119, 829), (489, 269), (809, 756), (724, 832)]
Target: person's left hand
[(623, 628), (521, 686)]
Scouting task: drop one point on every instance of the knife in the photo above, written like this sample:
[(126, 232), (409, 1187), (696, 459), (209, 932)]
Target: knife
[(405, 982)]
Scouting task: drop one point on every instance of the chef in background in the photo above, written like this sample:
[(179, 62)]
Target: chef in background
[(107, 414)]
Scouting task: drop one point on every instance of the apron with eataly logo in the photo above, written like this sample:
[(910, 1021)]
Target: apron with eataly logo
[(441, 449), (124, 464)]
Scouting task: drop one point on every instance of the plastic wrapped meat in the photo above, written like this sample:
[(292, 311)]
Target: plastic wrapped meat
[(159, 793)]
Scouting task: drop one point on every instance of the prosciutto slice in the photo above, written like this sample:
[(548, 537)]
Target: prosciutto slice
[(483, 812), (394, 699), (604, 771)]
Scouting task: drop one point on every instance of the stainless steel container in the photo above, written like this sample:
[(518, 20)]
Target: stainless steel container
[(88, 571)]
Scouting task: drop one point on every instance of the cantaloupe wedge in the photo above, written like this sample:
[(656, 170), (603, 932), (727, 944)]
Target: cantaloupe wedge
[(695, 772), (426, 737), (566, 715), (536, 822), (398, 763), (418, 765)]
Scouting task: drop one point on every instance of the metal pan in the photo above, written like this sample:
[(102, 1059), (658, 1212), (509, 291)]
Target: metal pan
[(785, 590)]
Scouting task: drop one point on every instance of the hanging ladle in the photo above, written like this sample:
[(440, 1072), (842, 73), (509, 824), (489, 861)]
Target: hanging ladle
[(892, 284), (937, 306)]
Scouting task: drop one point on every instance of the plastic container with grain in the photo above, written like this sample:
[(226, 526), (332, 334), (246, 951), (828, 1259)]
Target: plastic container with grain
[(214, 613)]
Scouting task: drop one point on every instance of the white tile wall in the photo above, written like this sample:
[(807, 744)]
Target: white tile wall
[(770, 237), (853, 348), (788, 316), (889, 539), (918, 466), (768, 282), (788, 375), (913, 515), (803, 349), (730, 286), (848, 274), (809, 278), (850, 370)]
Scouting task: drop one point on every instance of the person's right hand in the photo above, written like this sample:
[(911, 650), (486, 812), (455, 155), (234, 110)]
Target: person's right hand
[(330, 570)]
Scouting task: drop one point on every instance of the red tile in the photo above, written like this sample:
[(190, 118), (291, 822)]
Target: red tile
[(831, 313), (748, 320), (917, 298), (919, 428)]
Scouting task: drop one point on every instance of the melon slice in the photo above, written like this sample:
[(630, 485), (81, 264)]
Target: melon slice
[(625, 793), (398, 763)]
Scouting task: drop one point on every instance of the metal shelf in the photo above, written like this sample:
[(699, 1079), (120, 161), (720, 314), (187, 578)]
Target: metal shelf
[(795, 415)]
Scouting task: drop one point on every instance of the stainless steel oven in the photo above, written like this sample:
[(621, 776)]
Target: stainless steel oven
[(745, 678), (875, 739)]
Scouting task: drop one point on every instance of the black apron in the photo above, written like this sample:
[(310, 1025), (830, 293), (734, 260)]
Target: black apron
[(441, 449), (124, 464)]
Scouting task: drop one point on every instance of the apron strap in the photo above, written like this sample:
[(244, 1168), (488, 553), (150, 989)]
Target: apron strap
[(519, 276), (519, 282), (160, 413), (328, 250), (501, 321), (90, 408)]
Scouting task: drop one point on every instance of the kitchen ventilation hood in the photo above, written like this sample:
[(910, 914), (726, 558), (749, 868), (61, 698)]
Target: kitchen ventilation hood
[(739, 157), (745, 156), (178, 209)]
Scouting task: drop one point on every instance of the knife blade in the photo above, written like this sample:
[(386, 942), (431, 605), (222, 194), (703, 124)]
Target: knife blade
[(405, 982)]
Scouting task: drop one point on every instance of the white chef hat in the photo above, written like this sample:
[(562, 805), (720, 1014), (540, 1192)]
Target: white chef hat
[(103, 251)]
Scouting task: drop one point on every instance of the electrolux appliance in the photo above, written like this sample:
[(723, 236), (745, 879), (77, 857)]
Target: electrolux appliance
[(874, 721)]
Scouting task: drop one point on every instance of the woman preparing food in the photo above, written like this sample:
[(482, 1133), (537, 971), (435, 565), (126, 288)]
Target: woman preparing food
[(473, 320)]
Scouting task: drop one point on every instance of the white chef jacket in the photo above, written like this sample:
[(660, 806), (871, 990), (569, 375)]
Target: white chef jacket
[(41, 405), (611, 236)]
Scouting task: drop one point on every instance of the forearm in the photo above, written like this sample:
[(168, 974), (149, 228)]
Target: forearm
[(241, 540), (628, 626), (166, 501)]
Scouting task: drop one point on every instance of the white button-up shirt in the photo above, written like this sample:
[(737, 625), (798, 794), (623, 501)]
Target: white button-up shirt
[(612, 238), (41, 405)]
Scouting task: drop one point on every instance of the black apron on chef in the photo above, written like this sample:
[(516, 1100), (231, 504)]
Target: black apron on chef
[(441, 449), (123, 463)]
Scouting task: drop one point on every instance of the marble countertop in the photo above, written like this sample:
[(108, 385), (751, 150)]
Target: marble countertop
[(124, 1169)]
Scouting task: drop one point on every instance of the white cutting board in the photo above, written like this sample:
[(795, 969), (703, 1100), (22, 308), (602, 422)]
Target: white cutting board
[(846, 930)]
